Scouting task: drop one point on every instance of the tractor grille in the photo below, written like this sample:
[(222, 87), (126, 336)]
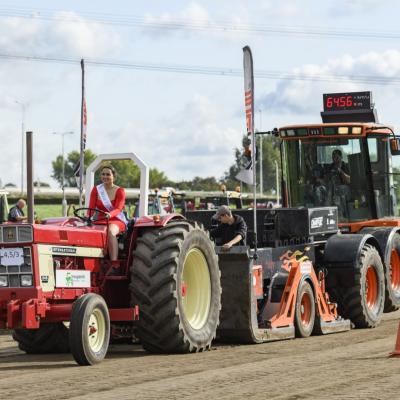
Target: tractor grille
[(14, 273), (16, 234)]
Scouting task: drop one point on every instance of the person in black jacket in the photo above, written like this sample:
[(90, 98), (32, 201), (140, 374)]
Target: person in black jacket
[(231, 229)]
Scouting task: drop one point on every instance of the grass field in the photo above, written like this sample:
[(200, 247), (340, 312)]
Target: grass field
[(49, 210)]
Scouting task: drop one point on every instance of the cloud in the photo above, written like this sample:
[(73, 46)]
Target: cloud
[(190, 17), (365, 4), (344, 8), (195, 141), (288, 8), (195, 20), (68, 34), (300, 96)]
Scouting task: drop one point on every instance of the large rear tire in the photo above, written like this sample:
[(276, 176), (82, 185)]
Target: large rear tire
[(175, 281), (49, 338), (305, 310), (392, 277), (89, 332), (363, 303)]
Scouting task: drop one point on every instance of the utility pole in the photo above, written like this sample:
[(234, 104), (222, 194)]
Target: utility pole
[(23, 112), (64, 200), (261, 154)]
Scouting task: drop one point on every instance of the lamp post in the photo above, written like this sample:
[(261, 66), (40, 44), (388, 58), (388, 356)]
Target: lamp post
[(23, 111), (64, 201)]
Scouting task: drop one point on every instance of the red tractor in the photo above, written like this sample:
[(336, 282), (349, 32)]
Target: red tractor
[(56, 296)]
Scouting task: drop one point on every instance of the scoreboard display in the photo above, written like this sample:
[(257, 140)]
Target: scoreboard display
[(347, 101)]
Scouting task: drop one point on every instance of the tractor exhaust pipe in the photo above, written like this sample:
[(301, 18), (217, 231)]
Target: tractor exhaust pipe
[(29, 177)]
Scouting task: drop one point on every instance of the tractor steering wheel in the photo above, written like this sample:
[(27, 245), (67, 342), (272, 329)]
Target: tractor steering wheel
[(82, 214)]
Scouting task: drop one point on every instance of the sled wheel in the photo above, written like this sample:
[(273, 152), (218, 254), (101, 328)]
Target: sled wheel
[(305, 310)]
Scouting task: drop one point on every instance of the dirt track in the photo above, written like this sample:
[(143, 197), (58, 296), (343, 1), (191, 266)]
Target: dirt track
[(351, 365)]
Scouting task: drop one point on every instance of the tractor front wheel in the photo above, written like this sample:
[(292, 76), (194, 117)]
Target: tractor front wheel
[(392, 276), (175, 281), (48, 338), (363, 303), (89, 332)]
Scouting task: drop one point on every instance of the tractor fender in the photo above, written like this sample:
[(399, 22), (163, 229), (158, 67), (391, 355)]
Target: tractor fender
[(343, 250), (384, 237), (149, 221)]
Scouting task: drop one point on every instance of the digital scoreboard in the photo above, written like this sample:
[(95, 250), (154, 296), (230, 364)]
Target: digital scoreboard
[(349, 107), (347, 101)]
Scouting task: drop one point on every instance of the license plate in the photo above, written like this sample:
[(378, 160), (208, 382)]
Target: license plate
[(12, 256)]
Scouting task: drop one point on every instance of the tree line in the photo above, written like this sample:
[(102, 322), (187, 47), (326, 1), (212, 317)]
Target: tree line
[(129, 174)]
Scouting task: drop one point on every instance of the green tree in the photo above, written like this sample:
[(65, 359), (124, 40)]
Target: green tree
[(128, 175), (198, 183), (271, 156), (40, 184), (70, 162), (158, 179), (396, 180)]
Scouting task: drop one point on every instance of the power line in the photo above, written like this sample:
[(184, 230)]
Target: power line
[(201, 70), (172, 24)]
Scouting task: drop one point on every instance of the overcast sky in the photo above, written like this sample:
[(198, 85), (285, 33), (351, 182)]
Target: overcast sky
[(185, 124)]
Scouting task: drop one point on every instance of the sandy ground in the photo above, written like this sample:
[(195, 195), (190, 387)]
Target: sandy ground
[(350, 365)]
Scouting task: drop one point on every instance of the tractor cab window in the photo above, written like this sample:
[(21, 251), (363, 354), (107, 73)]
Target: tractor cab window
[(395, 176), (328, 172), (383, 176)]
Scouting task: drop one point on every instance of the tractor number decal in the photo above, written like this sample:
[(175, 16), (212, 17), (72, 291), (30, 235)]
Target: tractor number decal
[(63, 250)]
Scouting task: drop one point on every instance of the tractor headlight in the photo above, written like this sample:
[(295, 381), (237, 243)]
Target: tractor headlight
[(26, 280), (3, 280)]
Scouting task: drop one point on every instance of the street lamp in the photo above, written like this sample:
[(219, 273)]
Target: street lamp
[(23, 111), (64, 201)]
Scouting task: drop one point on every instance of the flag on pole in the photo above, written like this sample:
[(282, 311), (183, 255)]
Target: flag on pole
[(246, 174)]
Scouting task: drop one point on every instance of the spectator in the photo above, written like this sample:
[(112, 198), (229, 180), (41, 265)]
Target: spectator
[(16, 213)]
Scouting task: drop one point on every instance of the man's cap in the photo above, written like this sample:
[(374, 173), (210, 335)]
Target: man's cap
[(223, 210)]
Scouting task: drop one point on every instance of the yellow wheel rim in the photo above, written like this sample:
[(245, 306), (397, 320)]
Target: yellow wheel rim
[(96, 330), (196, 288)]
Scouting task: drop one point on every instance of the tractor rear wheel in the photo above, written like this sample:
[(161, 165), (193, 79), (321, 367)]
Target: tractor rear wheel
[(363, 303), (305, 310), (49, 338), (392, 277), (89, 332), (175, 281)]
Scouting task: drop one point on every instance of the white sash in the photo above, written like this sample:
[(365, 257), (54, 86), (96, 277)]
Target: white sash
[(107, 203)]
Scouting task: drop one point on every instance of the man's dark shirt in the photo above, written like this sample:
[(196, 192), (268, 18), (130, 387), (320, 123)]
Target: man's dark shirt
[(344, 167), (14, 213), (225, 232)]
